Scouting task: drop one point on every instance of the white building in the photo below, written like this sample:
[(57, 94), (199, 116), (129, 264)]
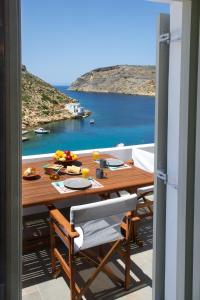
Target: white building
[(75, 109)]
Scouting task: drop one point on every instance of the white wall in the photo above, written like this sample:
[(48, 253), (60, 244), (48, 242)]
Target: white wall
[(173, 151)]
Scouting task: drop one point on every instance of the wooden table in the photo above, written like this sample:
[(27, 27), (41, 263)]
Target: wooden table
[(41, 191)]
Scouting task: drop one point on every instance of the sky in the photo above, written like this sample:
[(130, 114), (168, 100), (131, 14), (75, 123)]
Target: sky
[(63, 39)]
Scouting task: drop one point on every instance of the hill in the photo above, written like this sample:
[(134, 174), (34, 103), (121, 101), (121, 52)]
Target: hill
[(124, 79), (41, 102)]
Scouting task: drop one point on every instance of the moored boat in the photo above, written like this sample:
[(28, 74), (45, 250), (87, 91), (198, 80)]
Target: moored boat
[(92, 121), (24, 138), (24, 131), (41, 131), (120, 145)]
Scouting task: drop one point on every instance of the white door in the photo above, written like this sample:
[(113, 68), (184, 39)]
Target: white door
[(161, 155)]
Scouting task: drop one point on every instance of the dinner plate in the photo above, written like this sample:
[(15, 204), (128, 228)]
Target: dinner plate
[(73, 174), (77, 183), (31, 177), (113, 162)]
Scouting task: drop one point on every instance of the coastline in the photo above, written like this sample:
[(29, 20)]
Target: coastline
[(118, 119), (56, 119), (112, 93), (63, 116)]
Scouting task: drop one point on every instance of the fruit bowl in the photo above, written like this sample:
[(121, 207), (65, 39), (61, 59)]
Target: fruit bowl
[(65, 163), (65, 158)]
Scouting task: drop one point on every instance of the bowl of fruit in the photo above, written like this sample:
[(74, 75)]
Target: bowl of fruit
[(65, 158)]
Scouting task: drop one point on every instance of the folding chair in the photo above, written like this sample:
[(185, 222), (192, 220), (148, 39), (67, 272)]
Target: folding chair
[(145, 200), (92, 225)]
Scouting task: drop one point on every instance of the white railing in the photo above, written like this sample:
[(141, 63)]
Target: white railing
[(124, 153)]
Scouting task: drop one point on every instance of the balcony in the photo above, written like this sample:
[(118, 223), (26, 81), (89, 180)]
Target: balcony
[(37, 279)]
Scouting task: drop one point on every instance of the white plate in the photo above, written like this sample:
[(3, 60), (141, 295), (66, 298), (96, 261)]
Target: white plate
[(113, 162), (77, 183)]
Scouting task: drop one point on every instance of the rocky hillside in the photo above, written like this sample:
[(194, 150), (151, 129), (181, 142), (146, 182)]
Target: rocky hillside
[(125, 79), (41, 103)]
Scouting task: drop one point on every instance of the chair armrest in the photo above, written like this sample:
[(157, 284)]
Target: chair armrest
[(58, 217)]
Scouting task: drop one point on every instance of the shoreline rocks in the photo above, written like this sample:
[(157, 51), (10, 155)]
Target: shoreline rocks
[(41, 102)]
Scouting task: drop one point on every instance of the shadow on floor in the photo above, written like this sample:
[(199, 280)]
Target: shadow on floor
[(37, 265)]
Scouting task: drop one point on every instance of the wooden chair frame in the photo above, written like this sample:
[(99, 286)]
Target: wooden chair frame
[(60, 227), (147, 204), (131, 215)]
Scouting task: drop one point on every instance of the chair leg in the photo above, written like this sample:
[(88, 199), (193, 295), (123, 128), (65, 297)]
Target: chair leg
[(134, 235), (52, 241), (98, 269), (128, 252), (127, 265), (71, 267)]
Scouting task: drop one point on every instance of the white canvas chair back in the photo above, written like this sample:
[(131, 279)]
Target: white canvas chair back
[(144, 190), (99, 223)]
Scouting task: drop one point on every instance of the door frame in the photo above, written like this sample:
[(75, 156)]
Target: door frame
[(10, 149), (187, 149)]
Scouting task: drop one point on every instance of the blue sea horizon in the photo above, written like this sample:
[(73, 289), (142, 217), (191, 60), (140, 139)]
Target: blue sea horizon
[(118, 119)]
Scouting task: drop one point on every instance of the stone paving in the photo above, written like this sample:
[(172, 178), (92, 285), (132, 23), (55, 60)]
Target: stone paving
[(39, 285)]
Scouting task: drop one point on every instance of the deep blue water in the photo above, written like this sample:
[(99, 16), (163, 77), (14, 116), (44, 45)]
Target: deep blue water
[(118, 119)]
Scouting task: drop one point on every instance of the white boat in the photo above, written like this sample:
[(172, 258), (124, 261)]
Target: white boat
[(120, 145), (24, 138), (41, 131), (24, 131), (92, 121)]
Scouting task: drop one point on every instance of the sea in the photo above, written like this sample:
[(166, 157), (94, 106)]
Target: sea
[(118, 119)]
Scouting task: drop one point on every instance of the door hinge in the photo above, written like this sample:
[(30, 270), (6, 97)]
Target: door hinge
[(162, 176), (165, 38), (170, 37)]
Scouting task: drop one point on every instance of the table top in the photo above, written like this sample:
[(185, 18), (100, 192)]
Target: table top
[(41, 191)]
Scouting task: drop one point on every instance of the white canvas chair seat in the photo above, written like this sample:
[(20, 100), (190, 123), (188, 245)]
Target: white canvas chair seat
[(98, 232)]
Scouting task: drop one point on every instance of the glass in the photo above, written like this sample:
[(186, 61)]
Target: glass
[(96, 155), (54, 176), (85, 172)]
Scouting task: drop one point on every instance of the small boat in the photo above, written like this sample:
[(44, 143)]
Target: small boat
[(41, 131), (92, 121), (120, 145), (24, 138), (24, 131)]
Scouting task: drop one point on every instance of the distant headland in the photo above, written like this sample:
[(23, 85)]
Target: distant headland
[(123, 79), (41, 102)]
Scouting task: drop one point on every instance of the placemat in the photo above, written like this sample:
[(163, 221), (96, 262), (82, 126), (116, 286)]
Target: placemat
[(59, 186)]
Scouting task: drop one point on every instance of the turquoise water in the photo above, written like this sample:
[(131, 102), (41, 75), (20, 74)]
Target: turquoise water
[(118, 119)]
